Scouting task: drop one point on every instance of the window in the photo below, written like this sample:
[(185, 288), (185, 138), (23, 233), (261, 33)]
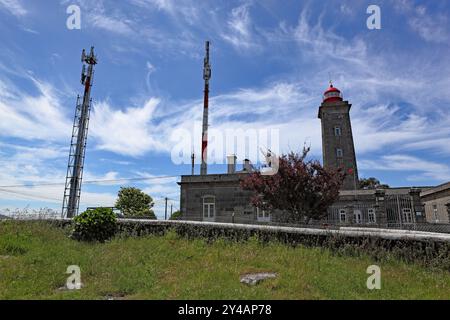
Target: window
[(262, 215), (337, 131), (357, 217), (209, 208), (435, 213), (407, 215), (371, 216), (342, 215), (339, 153)]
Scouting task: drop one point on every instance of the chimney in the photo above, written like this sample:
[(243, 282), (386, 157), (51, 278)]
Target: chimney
[(247, 166), (231, 160)]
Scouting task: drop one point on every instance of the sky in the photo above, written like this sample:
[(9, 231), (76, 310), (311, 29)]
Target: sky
[(271, 62)]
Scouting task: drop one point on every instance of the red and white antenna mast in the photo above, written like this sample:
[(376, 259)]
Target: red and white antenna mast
[(206, 77), (74, 175)]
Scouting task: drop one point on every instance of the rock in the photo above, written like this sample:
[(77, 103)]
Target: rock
[(115, 296), (65, 288), (254, 278)]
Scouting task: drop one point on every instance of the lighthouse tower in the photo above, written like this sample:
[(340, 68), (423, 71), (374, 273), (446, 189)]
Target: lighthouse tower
[(338, 148)]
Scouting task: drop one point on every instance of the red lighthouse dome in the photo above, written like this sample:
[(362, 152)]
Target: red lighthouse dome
[(332, 94)]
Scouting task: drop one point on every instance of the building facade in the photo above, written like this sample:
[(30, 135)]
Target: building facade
[(219, 197), (437, 203)]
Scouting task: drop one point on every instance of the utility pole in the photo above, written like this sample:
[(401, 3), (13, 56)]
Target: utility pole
[(171, 206), (192, 162), (165, 211), (77, 152), (206, 77)]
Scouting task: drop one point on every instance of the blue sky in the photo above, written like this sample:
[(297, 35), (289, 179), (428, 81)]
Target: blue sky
[(271, 62)]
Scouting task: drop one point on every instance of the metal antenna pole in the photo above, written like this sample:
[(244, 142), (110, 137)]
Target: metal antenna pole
[(192, 162), (74, 175), (206, 77), (165, 211)]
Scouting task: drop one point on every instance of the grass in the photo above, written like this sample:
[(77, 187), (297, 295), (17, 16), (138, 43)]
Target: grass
[(34, 257)]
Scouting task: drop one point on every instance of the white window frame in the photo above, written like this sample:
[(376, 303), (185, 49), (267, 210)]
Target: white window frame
[(210, 205), (263, 215), (342, 212), (339, 153), (407, 215), (371, 215), (435, 213), (337, 131)]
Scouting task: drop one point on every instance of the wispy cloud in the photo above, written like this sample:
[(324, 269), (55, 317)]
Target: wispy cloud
[(112, 24), (418, 168), (239, 32), (14, 7), (32, 116), (430, 27)]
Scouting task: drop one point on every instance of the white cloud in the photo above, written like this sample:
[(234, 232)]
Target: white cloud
[(345, 9), (126, 132), (15, 7), (239, 33), (112, 24), (430, 27), (399, 162), (32, 117), (178, 10), (44, 165)]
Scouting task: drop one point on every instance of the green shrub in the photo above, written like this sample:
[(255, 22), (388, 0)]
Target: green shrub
[(98, 224)]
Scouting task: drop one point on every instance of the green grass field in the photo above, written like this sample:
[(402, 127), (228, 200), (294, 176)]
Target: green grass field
[(34, 257)]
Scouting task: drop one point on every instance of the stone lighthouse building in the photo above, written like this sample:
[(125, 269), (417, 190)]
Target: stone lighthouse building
[(337, 138), (220, 198)]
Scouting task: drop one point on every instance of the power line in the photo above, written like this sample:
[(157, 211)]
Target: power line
[(29, 196), (87, 182)]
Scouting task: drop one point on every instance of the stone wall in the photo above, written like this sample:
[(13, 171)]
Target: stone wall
[(410, 246)]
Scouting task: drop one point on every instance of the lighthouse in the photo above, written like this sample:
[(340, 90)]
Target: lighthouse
[(338, 148)]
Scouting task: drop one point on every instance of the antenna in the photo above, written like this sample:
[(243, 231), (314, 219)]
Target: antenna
[(83, 74), (192, 162), (75, 165), (206, 77), (206, 65)]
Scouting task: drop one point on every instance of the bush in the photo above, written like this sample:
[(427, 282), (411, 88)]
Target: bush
[(98, 224)]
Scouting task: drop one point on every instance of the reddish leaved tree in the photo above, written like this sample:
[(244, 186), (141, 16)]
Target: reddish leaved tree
[(302, 189)]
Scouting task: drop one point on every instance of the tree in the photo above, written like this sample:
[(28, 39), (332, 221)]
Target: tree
[(371, 183), (133, 202), (302, 189), (176, 215)]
